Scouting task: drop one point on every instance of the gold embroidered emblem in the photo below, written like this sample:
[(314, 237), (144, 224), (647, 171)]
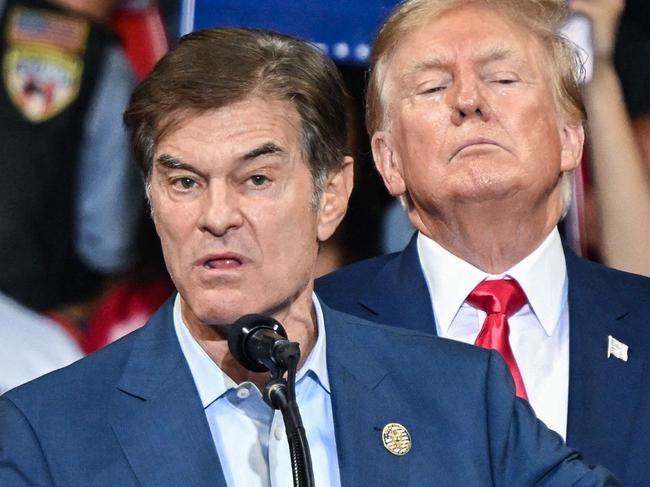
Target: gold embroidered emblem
[(40, 82), (43, 63), (396, 439)]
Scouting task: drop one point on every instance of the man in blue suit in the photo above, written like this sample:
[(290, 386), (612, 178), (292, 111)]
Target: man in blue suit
[(477, 124), (241, 137)]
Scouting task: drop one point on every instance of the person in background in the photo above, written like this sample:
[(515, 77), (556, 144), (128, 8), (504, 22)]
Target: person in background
[(476, 120), (71, 200), (241, 135), (621, 177), (30, 345), (631, 59)]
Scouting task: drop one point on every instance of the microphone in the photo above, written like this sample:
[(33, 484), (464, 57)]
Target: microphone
[(260, 343)]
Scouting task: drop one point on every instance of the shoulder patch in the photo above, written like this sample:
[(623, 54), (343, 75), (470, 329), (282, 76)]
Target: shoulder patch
[(43, 61), (47, 28), (41, 82)]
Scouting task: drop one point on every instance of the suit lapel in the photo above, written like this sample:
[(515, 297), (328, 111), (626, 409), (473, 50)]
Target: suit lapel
[(157, 415), (603, 392), (399, 295), (361, 408)]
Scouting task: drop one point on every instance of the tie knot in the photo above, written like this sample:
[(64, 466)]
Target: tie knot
[(498, 296)]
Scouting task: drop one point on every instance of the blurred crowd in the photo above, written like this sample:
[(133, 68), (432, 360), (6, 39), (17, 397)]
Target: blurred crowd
[(81, 264)]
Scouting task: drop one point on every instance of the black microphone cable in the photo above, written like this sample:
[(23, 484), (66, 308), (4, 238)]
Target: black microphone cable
[(298, 445)]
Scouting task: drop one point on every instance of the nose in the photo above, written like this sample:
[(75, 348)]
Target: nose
[(468, 100), (221, 211)]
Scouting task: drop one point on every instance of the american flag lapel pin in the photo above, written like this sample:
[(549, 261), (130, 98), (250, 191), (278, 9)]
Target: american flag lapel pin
[(616, 348)]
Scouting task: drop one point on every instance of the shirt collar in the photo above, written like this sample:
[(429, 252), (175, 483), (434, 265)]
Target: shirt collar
[(542, 276), (316, 362), (211, 382)]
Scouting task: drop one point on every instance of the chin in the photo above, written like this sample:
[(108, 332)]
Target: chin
[(487, 190), (217, 315), (218, 308)]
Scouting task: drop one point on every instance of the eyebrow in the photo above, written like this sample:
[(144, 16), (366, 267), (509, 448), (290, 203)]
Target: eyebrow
[(172, 162), (263, 150), (499, 53), (492, 54)]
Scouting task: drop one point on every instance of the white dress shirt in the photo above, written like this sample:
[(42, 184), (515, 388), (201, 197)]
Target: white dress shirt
[(249, 436), (539, 332), (30, 345)]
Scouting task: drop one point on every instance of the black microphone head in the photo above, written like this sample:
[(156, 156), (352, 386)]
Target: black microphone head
[(242, 329)]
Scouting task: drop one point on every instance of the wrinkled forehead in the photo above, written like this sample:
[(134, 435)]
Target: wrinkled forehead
[(281, 108), (472, 33)]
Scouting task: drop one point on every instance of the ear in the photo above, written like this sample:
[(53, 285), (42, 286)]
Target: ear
[(387, 163), (573, 140), (334, 200)]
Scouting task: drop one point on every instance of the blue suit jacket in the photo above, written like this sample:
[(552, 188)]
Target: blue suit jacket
[(609, 400), (130, 415)]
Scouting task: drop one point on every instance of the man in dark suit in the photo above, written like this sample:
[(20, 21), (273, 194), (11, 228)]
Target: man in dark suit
[(476, 124), (241, 137)]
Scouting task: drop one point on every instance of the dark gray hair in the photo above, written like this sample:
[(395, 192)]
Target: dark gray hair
[(213, 68)]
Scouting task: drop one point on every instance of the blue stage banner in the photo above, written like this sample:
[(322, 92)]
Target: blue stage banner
[(344, 29)]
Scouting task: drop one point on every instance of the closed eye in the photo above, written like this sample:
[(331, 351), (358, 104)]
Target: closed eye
[(433, 89)]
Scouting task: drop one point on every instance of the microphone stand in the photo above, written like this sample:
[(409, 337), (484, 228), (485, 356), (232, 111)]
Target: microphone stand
[(281, 394), (260, 343)]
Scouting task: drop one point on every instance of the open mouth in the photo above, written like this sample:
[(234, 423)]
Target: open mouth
[(222, 263)]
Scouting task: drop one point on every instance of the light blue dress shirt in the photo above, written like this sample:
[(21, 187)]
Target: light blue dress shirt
[(249, 436)]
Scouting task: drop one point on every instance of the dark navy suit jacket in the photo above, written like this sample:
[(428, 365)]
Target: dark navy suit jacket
[(130, 415), (609, 400)]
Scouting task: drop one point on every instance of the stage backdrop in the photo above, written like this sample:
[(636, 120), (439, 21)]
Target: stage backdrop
[(342, 28)]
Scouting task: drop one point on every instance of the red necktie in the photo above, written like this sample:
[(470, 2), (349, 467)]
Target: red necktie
[(500, 299)]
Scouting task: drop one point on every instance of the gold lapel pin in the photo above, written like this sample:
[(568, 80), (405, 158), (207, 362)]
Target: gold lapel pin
[(396, 439)]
